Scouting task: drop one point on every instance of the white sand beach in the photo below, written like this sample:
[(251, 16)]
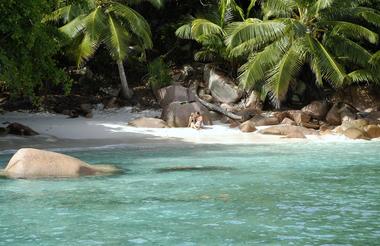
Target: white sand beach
[(108, 127)]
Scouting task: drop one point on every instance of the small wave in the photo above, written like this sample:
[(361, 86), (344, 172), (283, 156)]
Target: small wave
[(75, 149)]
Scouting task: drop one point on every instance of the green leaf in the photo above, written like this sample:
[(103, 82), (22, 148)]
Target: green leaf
[(137, 23), (201, 27), (330, 69), (346, 49), (284, 72), (117, 40), (253, 31), (256, 68), (353, 31), (74, 27)]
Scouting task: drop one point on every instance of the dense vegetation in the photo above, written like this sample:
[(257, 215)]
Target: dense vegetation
[(269, 45)]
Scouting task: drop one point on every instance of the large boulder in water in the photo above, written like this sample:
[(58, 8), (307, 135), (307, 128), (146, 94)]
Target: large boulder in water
[(222, 88), (316, 109), (174, 93), (33, 163), (148, 123), (177, 114)]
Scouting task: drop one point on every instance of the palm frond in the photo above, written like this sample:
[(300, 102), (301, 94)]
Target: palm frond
[(250, 7), (278, 8), (257, 66), (184, 31), (353, 31), (117, 40), (375, 59), (284, 72), (201, 27), (205, 55), (137, 23), (364, 75), (321, 5), (64, 14), (346, 49), (82, 48), (330, 69), (371, 17), (254, 32), (95, 23), (317, 72), (157, 3), (74, 27)]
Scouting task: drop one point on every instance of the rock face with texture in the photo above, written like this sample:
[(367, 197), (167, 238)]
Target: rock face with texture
[(253, 101), (247, 127), (298, 116), (355, 133), (174, 93), (373, 131), (361, 97), (148, 123), (340, 112), (33, 163), (359, 124), (177, 114), (287, 130), (259, 120), (316, 109), (21, 130), (222, 88)]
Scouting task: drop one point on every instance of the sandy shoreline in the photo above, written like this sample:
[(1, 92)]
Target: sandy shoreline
[(109, 128)]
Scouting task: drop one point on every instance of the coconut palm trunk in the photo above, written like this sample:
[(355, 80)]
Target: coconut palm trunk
[(126, 92)]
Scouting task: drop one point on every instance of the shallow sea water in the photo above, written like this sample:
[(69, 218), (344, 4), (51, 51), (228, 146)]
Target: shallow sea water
[(284, 194)]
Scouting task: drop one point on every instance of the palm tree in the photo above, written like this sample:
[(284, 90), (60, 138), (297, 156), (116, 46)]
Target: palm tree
[(208, 29), (91, 23), (330, 36)]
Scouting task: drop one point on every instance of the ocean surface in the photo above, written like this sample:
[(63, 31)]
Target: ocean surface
[(282, 194)]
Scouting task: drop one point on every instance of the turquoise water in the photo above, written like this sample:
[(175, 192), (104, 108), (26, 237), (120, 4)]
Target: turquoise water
[(294, 194)]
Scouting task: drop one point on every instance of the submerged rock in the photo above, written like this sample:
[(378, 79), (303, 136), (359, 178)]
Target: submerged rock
[(193, 168), (29, 163), (20, 129)]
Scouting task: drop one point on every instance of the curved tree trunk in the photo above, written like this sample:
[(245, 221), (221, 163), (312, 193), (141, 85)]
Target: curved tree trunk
[(126, 92), (216, 108)]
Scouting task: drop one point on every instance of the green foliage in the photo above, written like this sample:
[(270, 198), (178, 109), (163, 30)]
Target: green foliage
[(90, 24), (28, 47), (209, 30), (159, 74), (333, 36)]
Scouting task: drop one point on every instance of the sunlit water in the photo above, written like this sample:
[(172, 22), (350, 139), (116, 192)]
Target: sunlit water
[(262, 194)]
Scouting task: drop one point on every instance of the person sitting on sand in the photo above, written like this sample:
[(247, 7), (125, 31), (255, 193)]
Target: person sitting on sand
[(192, 120), (198, 120)]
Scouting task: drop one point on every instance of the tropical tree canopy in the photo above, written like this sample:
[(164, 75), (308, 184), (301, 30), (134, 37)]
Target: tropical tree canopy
[(120, 28), (28, 48), (331, 36)]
